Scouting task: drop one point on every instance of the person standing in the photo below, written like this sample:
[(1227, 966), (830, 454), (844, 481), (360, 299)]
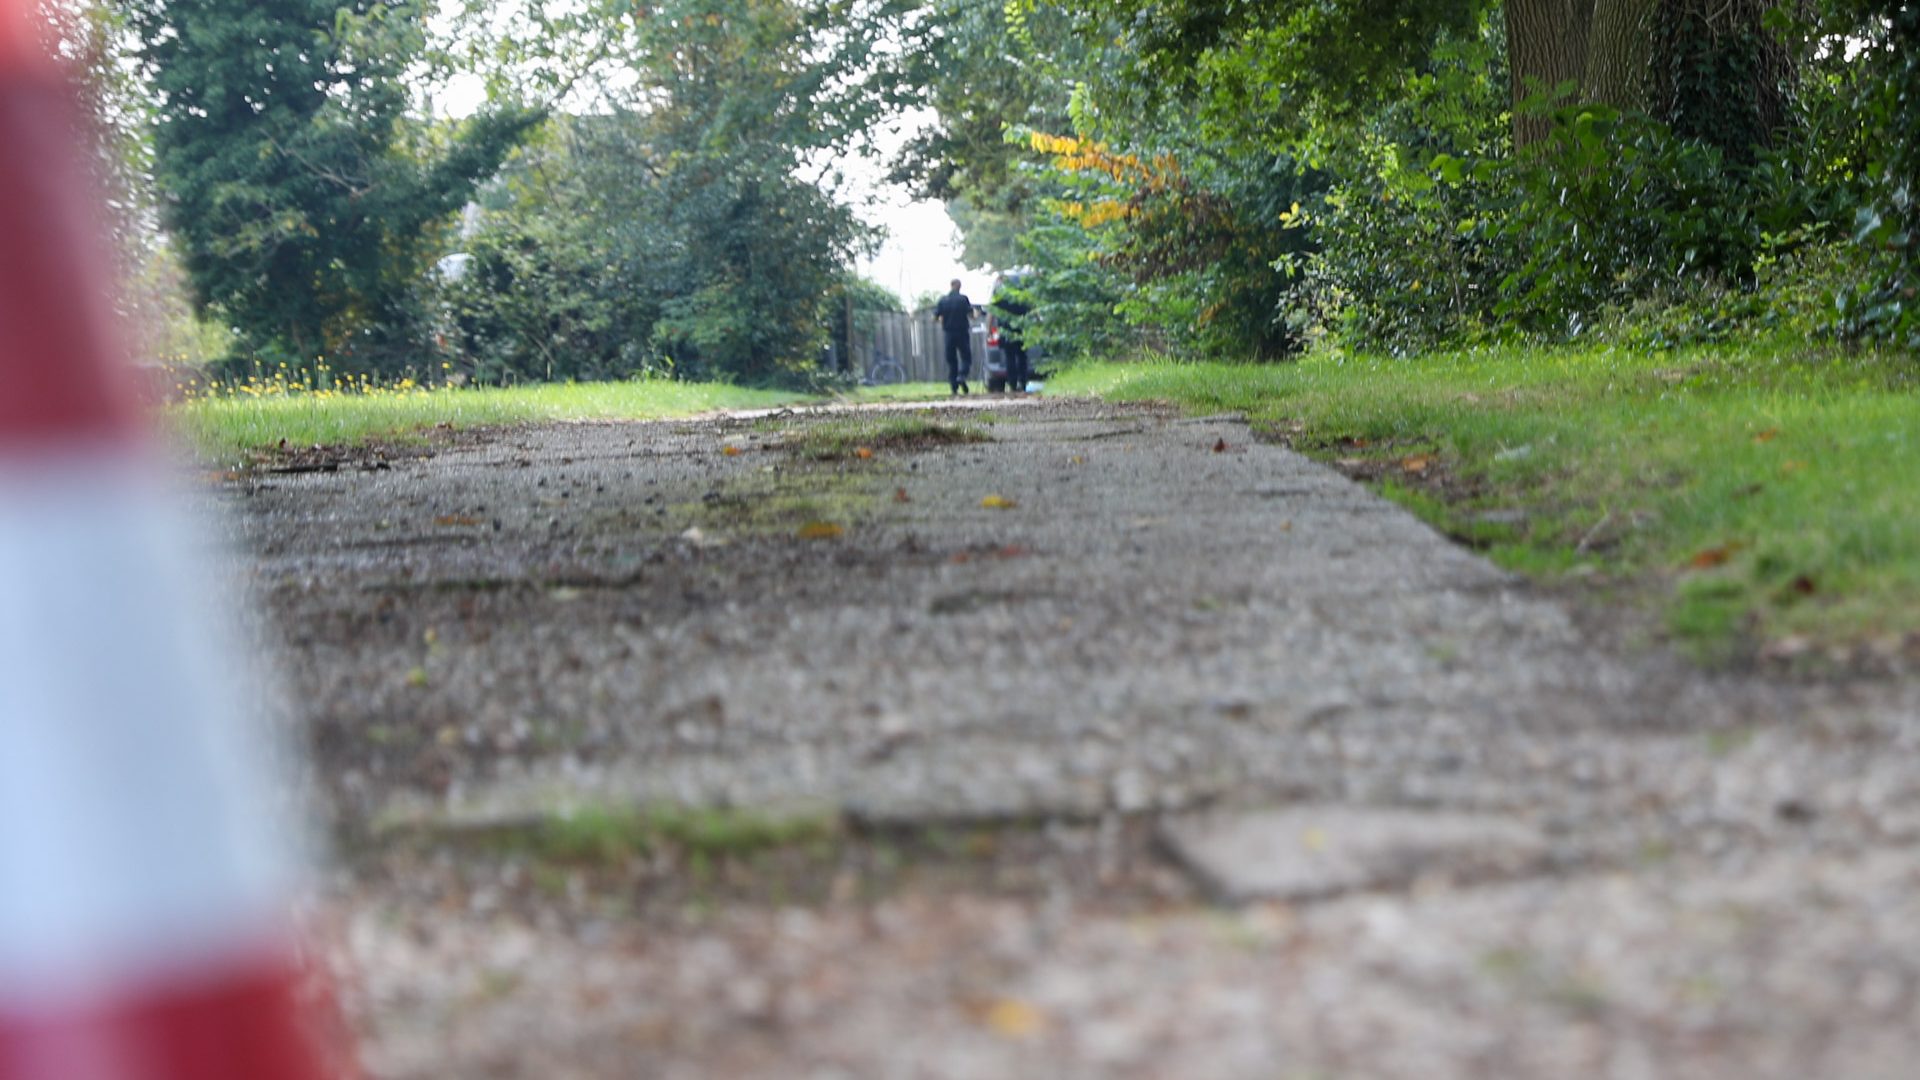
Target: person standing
[(1008, 309), (954, 313)]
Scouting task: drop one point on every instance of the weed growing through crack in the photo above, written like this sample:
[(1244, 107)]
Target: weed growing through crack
[(842, 439), (599, 835)]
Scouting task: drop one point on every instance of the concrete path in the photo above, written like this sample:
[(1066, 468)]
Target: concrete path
[(1068, 690)]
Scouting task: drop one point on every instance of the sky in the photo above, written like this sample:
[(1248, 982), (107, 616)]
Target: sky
[(922, 252)]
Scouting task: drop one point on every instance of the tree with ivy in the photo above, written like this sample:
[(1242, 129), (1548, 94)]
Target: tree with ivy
[(307, 202), (1299, 64)]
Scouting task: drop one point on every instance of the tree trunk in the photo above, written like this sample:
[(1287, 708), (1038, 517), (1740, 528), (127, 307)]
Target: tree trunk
[(1620, 53), (1720, 75), (1707, 67), (1546, 49)]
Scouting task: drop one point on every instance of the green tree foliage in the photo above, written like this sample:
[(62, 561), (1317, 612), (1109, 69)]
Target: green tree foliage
[(541, 294), (1183, 249), (986, 67), (733, 186), (1073, 294), (1517, 166), (306, 203), (697, 226), (1217, 176), (1317, 66), (1879, 44)]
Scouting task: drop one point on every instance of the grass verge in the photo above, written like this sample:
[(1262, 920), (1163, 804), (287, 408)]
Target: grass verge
[(221, 426), (913, 391), (1765, 493)]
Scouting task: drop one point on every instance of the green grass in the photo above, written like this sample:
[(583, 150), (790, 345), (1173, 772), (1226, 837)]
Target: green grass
[(915, 391), (219, 427), (222, 426), (1762, 491)]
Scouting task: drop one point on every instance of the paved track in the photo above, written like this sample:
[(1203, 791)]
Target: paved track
[(1500, 848)]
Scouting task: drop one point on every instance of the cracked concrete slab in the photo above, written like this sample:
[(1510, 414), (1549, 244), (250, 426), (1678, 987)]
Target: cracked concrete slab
[(1314, 851)]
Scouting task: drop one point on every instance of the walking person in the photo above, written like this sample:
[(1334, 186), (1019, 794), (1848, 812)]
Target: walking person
[(954, 313)]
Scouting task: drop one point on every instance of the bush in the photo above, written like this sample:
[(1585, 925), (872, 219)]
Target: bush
[(1401, 270), (1610, 220)]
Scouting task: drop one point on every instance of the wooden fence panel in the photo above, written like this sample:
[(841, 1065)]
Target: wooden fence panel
[(913, 342)]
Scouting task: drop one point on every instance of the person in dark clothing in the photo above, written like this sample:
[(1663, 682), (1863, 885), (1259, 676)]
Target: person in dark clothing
[(1019, 366), (954, 313)]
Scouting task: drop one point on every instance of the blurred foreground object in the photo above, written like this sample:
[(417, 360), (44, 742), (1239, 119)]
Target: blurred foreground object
[(145, 874)]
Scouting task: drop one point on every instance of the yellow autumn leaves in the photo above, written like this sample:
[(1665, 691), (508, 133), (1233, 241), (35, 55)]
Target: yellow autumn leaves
[(1071, 153)]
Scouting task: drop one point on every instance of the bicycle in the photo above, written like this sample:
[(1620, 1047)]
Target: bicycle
[(886, 371)]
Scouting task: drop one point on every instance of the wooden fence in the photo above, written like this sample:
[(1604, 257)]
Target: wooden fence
[(889, 347)]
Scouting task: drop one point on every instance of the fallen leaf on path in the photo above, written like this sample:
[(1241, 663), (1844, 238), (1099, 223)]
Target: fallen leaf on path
[(900, 495), (1713, 556), (730, 451), (1314, 839), (1013, 1019), (1220, 447), (998, 502), (1011, 551), (1076, 460), (821, 530), (456, 519)]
